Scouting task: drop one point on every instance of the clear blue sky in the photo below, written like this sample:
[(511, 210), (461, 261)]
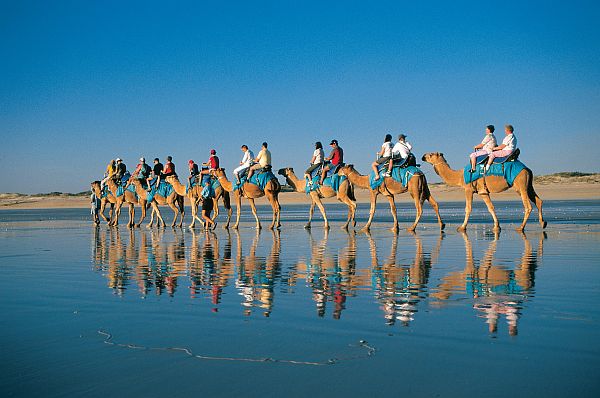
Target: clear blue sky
[(86, 81)]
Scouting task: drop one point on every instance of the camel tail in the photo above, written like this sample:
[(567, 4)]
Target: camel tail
[(426, 193), (226, 200), (351, 195)]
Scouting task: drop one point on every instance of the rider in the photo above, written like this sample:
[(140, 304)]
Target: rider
[(485, 147), (194, 172), (169, 168), (121, 170), (111, 170), (212, 163), (262, 160), (335, 159), (316, 161), (245, 163), (384, 154), (509, 144), (400, 151), (156, 172), (142, 171)]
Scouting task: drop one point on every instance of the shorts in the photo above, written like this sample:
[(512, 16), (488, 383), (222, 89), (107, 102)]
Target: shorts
[(207, 205), (383, 159)]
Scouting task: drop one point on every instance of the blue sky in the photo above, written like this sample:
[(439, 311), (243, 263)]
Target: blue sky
[(86, 81)]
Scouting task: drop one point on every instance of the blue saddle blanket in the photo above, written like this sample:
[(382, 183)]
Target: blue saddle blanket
[(399, 174), (121, 190), (257, 179), (333, 181), (213, 186), (164, 189), (482, 158), (508, 170)]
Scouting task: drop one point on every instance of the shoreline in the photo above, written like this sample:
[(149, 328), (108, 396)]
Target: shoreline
[(440, 192)]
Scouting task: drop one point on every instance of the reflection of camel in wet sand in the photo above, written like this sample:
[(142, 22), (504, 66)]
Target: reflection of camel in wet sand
[(252, 191), (194, 194), (345, 194), (496, 290), (417, 187), (523, 185), (400, 288), (174, 201)]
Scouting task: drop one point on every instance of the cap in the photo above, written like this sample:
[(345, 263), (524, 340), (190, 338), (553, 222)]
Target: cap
[(142, 159), (401, 136), (156, 160), (213, 152), (190, 161), (118, 160), (333, 142)]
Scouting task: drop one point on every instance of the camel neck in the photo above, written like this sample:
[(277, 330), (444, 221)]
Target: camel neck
[(359, 180), (225, 183), (450, 176), (177, 186), (295, 182)]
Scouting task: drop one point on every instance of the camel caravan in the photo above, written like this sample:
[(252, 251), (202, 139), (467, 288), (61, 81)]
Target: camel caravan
[(492, 168)]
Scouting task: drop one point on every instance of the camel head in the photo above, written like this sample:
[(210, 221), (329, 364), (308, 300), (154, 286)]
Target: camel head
[(347, 169), (96, 187), (285, 171), (171, 178), (220, 172), (433, 157)]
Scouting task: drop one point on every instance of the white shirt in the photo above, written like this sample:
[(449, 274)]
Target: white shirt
[(264, 157), (489, 142), (402, 149), (510, 141), (387, 149), (318, 154), (247, 159)]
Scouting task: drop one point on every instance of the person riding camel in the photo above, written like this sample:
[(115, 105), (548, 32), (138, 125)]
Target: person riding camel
[(212, 163), (400, 151), (384, 155), (262, 160), (509, 144), (121, 170), (142, 171), (485, 147), (169, 169), (156, 173), (245, 163), (317, 160), (194, 172), (335, 159), (111, 170)]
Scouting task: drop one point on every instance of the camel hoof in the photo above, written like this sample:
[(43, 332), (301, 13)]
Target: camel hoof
[(307, 226), (344, 227), (235, 227), (520, 229), (442, 227), (225, 227), (365, 230), (461, 229), (326, 226), (544, 224), (354, 223), (411, 229), (496, 228)]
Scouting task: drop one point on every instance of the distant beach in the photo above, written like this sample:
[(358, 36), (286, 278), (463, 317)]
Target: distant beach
[(559, 186)]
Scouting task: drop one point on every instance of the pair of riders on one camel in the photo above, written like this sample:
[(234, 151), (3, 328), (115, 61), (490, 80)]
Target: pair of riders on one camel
[(323, 164), (250, 164), (391, 154), (490, 149)]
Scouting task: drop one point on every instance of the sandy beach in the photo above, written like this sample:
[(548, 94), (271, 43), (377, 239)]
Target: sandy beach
[(552, 187)]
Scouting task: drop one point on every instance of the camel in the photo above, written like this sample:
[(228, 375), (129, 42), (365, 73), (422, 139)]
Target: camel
[(108, 199), (173, 199), (345, 195), (194, 194), (252, 191), (523, 185), (417, 187), (127, 197)]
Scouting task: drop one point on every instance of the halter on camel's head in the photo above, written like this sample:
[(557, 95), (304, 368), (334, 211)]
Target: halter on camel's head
[(285, 171)]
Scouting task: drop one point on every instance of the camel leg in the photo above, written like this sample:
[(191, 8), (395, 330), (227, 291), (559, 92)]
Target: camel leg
[(436, 208), (538, 203), (311, 211), (468, 207), (367, 226), (275, 207), (194, 212), (196, 217), (131, 222), (102, 209), (253, 207), (238, 209), (229, 212), (215, 208), (351, 209), (527, 209), (143, 216), (181, 204), (175, 210), (117, 213), (394, 213), (419, 208), (278, 209), (319, 204), (492, 210)]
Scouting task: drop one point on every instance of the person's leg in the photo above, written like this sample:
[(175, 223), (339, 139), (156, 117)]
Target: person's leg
[(324, 174), (251, 171), (374, 167)]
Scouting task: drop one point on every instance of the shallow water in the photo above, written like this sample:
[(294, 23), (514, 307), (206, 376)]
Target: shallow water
[(342, 314)]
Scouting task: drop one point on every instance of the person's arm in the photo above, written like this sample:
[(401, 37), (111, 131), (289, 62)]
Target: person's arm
[(499, 147), (260, 154), (312, 160)]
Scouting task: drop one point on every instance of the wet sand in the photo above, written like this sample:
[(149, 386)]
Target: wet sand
[(441, 193)]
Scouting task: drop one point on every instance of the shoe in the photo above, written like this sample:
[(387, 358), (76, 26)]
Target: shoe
[(486, 168), (387, 174)]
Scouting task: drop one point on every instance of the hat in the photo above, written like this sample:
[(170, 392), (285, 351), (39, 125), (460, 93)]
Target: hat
[(401, 136), (213, 152), (190, 161), (156, 160), (142, 159), (118, 160), (333, 142)]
